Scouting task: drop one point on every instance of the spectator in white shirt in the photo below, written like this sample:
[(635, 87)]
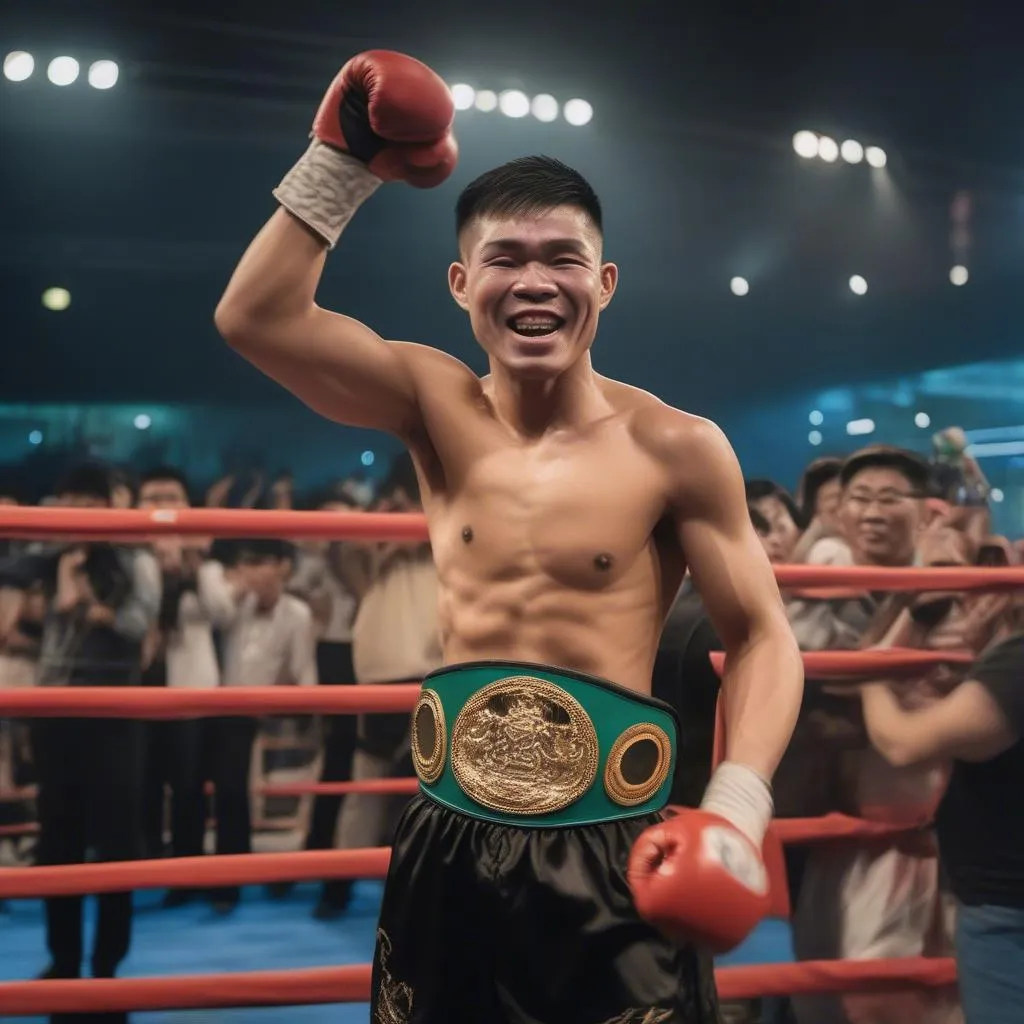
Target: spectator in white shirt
[(271, 641), (332, 578), (179, 652)]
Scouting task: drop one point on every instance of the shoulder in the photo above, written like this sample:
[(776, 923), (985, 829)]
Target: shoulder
[(141, 561), (830, 551), (683, 444), (296, 610), (428, 364)]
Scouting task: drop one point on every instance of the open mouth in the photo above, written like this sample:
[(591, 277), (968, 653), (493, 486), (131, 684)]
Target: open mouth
[(535, 325)]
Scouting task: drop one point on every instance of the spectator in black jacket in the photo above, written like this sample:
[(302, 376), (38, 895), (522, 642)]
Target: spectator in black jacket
[(101, 600)]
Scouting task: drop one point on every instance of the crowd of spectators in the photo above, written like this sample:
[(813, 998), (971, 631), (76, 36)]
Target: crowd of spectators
[(187, 612)]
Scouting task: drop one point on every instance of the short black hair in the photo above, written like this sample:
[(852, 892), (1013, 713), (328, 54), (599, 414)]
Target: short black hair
[(263, 549), (759, 489), (89, 479), (816, 475), (760, 524), (530, 184), (164, 473), (912, 466)]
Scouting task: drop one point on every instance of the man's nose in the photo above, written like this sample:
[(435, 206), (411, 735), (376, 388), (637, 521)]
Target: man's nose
[(534, 283)]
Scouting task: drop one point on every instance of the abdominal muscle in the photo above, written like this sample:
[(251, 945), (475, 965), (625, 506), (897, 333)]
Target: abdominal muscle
[(612, 633)]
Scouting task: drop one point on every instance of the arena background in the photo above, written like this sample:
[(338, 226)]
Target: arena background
[(138, 200)]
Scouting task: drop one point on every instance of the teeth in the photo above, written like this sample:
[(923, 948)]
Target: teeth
[(535, 325)]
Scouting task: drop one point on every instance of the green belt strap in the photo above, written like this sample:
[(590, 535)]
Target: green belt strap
[(539, 747)]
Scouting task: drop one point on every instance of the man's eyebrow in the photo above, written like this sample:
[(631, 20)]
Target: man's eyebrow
[(515, 244)]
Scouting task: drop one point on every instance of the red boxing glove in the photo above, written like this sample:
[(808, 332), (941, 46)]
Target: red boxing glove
[(699, 880), (394, 114)]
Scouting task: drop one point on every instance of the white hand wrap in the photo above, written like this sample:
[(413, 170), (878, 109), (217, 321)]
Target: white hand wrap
[(325, 188), (743, 797)]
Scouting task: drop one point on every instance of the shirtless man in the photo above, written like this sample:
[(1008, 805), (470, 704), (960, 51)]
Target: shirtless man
[(533, 879)]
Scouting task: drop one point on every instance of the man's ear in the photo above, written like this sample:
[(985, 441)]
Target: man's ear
[(609, 282), (457, 284)]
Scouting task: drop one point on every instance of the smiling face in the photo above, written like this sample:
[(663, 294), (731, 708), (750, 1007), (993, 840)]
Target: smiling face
[(534, 286)]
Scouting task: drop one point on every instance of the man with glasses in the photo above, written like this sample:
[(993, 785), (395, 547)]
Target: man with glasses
[(866, 901)]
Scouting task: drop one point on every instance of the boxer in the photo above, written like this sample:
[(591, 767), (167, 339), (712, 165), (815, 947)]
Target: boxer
[(534, 878)]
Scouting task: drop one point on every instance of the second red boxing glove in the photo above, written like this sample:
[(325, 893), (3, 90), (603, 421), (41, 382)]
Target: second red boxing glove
[(392, 113), (699, 880)]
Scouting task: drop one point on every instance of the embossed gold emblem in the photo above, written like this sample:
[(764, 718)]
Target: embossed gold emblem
[(524, 746), (428, 737), (638, 764)]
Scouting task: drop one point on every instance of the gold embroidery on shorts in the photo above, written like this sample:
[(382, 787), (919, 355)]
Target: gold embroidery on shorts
[(394, 998), (524, 746), (638, 764), (651, 1016), (429, 742)]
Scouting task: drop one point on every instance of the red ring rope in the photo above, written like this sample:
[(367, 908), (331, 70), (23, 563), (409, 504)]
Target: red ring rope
[(323, 985), (134, 524), (192, 872), (154, 702)]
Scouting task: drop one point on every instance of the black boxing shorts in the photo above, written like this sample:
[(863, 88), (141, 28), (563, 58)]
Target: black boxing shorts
[(506, 900)]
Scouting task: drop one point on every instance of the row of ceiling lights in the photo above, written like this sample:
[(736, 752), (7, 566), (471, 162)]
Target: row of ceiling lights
[(515, 103), (810, 145), (20, 65)]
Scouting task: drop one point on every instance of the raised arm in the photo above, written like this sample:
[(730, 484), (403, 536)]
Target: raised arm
[(386, 117)]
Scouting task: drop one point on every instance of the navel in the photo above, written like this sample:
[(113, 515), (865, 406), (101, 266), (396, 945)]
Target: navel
[(467, 534), (603, 561)]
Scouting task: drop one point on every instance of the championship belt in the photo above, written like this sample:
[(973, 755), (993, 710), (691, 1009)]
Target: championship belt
[(533, 746)]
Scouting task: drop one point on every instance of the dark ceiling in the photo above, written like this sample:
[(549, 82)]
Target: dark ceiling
[(140, 199)]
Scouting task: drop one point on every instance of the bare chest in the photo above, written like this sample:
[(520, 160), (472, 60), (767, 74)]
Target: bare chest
[(579, 514)]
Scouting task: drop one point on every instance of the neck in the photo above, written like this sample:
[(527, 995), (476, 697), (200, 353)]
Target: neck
[(266, 603), (533, 407)]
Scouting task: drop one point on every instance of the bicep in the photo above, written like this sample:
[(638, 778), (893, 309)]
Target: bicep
[(339, 367), (725, 556)]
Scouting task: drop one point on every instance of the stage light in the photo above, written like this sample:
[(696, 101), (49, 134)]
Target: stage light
[(18, 65), (513, 103), (959, 276), (544, 108), (996, 495), (828, 149), (876, 157), (805, 144), (486, 101), (814, 437), (858, 285), (462, 96), (922, 420), (858, 428), (816, 418), (56, 299), (852, 151), (578, 112), (62, 70), (367, 458), (35, 437), (103, 74), (739, 286)]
